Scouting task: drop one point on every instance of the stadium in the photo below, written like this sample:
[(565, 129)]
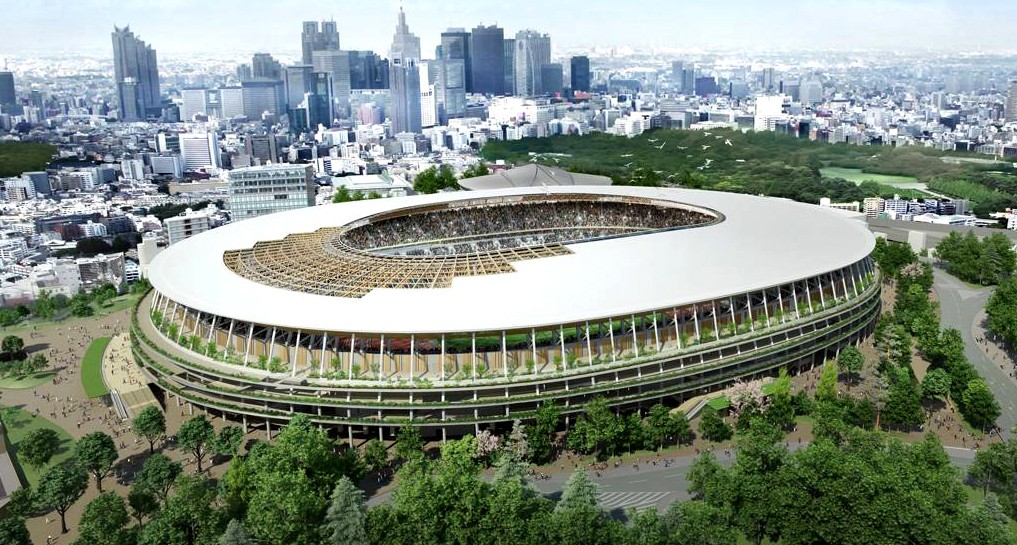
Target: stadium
[(460, 311)]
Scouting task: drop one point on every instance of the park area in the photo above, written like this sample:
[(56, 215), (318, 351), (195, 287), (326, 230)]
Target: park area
[(20, 423), (857, 176), (91, 369)]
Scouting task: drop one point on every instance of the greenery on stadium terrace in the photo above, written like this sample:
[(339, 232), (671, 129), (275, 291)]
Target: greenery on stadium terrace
[(766, 163), (19, 157)]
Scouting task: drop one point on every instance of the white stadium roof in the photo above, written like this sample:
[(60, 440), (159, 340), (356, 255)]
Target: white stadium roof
[(762, 242)]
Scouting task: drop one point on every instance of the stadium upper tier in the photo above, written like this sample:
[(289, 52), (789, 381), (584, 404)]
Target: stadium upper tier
[(562, 255)]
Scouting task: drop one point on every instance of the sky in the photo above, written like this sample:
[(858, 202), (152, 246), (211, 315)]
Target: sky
[(214, 26)]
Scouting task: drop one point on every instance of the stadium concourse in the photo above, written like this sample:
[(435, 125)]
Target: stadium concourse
[(457, 311)]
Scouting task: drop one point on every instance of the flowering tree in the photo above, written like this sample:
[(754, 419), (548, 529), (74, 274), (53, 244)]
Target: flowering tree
[(487, 444)]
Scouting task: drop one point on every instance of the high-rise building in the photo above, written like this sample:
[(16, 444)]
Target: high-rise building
[(199, 150), (7, 96), (315, 38), (455, 45), (368, 70), (336, 64), (1011, 102), (428, 106), (579, 71), (185, 226), (257, 191), (551, 78), (487, 63), (298, 83), (263, 95), (533, 50), (231, 102), (509, 61), (136, 70), (319, 101), (195, 102), (264, 66), (404, 78), (448, 78), (262, 146)]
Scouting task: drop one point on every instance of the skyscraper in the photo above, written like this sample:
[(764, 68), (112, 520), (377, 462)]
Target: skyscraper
[(336, 64), (298, 83), (487, 65), (551, 78), (368, 70), (455, 45), (509, 60), (7, 97), (315, 38), (135, 68), (263, 65), (199, 150), (404, 78), (448, 76), (579, 69), (533, 50), (1011, 102)]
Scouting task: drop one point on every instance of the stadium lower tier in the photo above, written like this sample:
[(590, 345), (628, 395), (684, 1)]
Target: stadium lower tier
[(450, 384)]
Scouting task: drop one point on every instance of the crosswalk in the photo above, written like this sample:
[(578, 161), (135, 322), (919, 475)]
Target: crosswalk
[(625, 500)]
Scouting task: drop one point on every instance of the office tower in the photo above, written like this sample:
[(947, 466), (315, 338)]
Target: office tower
[(265, 67), (368, 70), (195, 102), (262, 146), (429, 107), (167, 143), (509, 52), (136, 71), (257, 191), (811, 92), (7, 96), (1011, 102), (298, 83), (244, 72), (261, 96), (455, 45), (768, 80), (336, 64), (677, 74), (579, 69), (231, 102), (448, 78), (40, 181), (185, 226), (404, 78), (533, 50), (487, 65), (319, 101), (551, 78), (315, 38), (199, 150)]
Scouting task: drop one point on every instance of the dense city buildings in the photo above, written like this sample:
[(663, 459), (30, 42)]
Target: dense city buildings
[(136, 74), (318, 37)]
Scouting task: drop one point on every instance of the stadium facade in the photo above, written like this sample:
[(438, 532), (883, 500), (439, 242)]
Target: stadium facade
[(460, 311)]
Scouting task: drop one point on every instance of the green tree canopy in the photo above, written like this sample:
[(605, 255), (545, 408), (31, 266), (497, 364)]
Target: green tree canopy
[(38, 447), (60, 487), (96, 452), (196, 435), (346, 519), (103, 521), (150, 424)]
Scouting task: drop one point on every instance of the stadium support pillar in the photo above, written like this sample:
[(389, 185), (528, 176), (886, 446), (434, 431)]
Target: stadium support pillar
[(695, 321), (748, 310), (808, 295), (165, 307), (533, 343), (247, 350), (413, 357), (381, 353), (716, 325), (353, 341), (794, 300), (441, 364), (635, 341), (504, 355), (229, 335), (822, 299), (843, 283), (730, 310), (589, 345), (766, 309), (271, 345), (349, 434), (561, 340), (833, 285), (296, 355), (473, 354), (677, 329), (321, 361), (211, 331), (656, 332), (175, 305), (854, 273), (268, 430), (780, 302), (196, 330), (610, 330)]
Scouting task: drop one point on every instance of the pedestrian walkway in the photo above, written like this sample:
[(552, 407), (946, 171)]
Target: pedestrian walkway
[(123, 378), (625, 500)]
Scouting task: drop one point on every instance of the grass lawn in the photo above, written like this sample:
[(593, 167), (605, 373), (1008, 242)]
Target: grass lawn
[(31, 381), (19, 423), (976, 497), (857, 176), (64, 319), (91, 369)]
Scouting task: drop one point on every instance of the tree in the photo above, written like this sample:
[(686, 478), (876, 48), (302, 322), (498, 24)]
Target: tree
[(81, 309), (579, 493), (150, 424), (375, 456), (661, 428), (433, 180), (936, 383), (541, 440), (826, 390), (38, 447), (713, 427), (478, 169), (517, 444), (196, 435), (96, 452), (703, 474), (1001, 310), (44, 305), (12, 346), (103, 520), (346, 520), (14, 532), (699, 523), (598, 429), (157, 475), (781, 410), (60, 487), (904, 401), (236, 534), (342, 194), (227, 443), (143, 504), (851, 360), (980, 406), (188, 517), (409, 444)]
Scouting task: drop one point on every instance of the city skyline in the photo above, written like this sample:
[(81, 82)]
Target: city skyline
[(171, 26)]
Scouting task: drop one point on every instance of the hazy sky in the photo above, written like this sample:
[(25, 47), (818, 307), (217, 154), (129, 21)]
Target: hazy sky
[(177, 26)]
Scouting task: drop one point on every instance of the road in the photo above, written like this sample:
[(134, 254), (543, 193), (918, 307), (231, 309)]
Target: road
[(961, 305)]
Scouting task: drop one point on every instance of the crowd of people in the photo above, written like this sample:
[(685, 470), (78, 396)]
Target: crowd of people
[(492, 227)]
